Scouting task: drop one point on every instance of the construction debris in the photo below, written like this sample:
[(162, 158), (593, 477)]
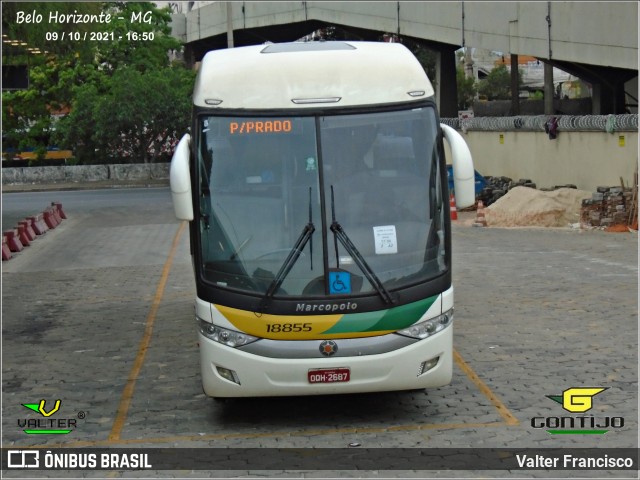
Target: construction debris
[(611, 208), (497, 187), (508, 203), (528, 207)]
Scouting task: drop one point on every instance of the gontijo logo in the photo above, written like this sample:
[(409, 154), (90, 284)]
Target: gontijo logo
[(45, 424), (577, 400)]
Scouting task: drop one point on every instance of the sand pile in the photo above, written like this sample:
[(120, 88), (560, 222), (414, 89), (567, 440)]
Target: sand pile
[(528, 207)]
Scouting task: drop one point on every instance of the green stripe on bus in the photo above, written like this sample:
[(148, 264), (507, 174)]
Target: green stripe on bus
[(395, 318)]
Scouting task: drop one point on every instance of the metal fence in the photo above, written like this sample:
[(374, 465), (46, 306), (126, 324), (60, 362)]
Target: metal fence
[(536, 123)]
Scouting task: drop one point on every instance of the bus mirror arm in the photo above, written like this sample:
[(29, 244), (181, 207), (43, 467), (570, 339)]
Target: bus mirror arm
[(463, 172), (180, 180)]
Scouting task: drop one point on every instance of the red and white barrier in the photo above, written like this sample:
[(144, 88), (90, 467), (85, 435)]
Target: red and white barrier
[(38, 225), (22, 236), (6, 253), (13, 240), (56, 213), (30, 229), (50, 218), (58, 206)]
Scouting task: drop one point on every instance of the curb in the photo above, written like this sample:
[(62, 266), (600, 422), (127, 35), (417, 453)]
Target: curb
[(64, 187)]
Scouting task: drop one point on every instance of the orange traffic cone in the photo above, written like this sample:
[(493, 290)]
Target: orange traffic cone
[(480, 220), (452, 207)]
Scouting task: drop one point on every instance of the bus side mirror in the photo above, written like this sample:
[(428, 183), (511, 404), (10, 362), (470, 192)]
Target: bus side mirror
[(463, 172), (180, 180)]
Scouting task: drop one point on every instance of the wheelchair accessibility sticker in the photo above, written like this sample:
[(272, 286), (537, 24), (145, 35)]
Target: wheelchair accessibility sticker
[(339, 282)]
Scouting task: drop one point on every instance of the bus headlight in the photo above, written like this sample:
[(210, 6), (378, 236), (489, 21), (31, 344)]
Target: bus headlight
[(227, 337), (428, 327)]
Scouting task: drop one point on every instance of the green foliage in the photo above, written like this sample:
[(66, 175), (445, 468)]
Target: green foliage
[(82, 74), (497, 85), (76, 130), (124, 50), (139, 117), (466, 89), (136, 117), (34, 34)]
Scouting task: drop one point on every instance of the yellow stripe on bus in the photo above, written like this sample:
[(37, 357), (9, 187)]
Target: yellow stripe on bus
[(288, 327)]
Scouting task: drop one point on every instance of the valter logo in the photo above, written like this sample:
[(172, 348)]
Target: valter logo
[(577, 400), (47, 423)]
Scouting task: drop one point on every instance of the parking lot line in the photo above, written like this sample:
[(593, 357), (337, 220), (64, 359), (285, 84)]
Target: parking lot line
[(504, 412), (127, 393)]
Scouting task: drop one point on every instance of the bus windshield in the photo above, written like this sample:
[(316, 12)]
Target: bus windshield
[(341, 205)]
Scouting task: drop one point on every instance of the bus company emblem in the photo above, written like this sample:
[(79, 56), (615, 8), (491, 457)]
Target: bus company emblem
[(47, 423), (328, 348), (579, 401)]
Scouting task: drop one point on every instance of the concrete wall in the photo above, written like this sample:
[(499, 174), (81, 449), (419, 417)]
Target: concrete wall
[(85, 173), (586, 159)]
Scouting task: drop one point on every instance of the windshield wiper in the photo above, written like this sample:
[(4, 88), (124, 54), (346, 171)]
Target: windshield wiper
[(294, 254), (342, 236)]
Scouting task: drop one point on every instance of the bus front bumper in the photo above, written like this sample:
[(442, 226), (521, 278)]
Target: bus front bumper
[(229, 372)]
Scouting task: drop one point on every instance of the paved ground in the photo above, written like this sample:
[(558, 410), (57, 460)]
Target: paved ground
[(99, 313)]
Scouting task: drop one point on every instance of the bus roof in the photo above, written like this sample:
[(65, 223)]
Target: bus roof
[(310, 74)]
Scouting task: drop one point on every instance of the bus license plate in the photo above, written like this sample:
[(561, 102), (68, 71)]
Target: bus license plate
[(329, 375)]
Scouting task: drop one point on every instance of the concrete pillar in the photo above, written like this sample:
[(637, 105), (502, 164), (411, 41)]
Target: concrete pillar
[(548, 89), (446, 85), (607, 98), (189, 56), (618, 99), (468, 63), (596, 99), (515, 86), (229, 25)]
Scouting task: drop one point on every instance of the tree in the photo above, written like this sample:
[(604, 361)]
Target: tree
[(466, 89), (72, 72), (77, 129), (46, 35), (141, 37), (139, 117), (27, 114), (497, 84)]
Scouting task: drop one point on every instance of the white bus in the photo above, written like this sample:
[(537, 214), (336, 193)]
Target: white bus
[(315, 184)]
